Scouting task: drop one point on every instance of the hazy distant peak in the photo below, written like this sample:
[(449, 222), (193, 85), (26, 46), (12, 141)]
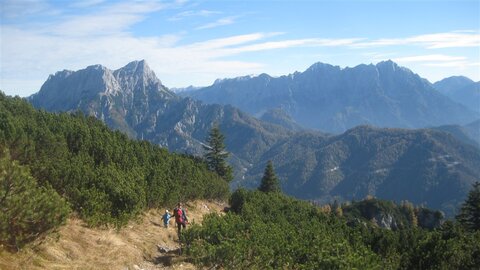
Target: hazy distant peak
[(389, 64), (458, 79), (321, 66)]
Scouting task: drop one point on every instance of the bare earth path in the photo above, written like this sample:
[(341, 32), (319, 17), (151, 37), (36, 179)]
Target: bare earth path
[(142, 244)]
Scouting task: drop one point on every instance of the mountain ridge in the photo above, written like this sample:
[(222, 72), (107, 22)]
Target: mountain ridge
[(384, 95)]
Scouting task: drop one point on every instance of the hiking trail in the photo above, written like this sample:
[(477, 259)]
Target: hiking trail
[(142, 244)]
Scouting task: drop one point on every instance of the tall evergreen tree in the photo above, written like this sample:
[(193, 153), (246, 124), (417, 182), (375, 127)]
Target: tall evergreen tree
[(469, 215), (269, 180), (216, 154)]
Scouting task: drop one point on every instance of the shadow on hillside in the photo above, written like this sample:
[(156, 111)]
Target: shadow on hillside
[(156, 224)]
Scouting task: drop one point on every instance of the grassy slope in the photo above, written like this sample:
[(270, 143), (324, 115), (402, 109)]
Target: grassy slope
[(76, 246)]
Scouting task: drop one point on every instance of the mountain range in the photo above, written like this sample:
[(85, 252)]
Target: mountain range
[(422, 166), (133, 100), (332, 99)]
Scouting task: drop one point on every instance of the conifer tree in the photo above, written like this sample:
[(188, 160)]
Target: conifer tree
[(269, 180), (469, 215), (216, 154)]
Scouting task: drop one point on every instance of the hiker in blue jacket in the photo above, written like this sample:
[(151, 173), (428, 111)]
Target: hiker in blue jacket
[(166, 219)]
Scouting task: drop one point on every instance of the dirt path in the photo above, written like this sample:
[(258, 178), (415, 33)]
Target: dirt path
[(142, 244)]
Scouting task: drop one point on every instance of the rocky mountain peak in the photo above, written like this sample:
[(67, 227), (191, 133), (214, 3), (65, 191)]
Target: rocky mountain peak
[(138, 70), (137, 77)]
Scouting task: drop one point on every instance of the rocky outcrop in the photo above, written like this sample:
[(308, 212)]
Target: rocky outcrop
[(385, 220)]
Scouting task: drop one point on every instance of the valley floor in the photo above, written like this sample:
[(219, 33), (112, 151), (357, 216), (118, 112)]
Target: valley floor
[(142, 244)]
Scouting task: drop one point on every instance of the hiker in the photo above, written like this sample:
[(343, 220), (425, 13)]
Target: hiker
[(180, 217), (166, 219)]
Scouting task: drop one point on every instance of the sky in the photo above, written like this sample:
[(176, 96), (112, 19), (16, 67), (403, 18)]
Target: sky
[(195, 42)]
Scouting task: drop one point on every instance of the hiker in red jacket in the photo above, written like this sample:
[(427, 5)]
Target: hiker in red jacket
[(180, 218)]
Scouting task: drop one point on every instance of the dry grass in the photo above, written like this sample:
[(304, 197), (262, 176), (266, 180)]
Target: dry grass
[(76, 246)]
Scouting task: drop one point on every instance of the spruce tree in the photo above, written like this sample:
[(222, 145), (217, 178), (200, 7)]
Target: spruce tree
[(469, 215), (269, 180), (216, 154)]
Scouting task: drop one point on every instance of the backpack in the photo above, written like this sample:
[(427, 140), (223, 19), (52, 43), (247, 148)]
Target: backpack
[(178, 215), (184, 216)]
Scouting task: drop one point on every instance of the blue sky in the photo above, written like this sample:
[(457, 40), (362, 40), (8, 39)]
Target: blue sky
[(195, 42)]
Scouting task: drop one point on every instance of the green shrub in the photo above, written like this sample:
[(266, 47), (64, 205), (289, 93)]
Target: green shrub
[(26, 209), (272, 231)]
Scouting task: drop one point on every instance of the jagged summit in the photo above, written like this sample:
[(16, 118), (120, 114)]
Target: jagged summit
[(137, 68)]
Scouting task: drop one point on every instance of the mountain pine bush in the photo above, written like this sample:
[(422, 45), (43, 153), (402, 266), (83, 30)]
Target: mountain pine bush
[(26, 209)]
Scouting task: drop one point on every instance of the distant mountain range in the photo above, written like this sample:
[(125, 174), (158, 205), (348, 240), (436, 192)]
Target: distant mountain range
[(462, 90), (331, 99), (422, 166)]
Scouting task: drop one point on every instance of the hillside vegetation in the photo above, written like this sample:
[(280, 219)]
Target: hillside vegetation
[(103, 175), (273, 231), (422, 166)]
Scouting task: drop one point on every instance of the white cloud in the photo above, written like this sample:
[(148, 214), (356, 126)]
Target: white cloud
[(311, 42), (455, 39), (108, 20), (430, 58), (219, 22), (86, 3), (436, 60), (193, 13), (20, 8), (455, 64)]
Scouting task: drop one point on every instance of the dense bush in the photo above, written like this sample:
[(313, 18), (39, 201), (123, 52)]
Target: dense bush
[(26, 209), (272, 231), (104, 175)]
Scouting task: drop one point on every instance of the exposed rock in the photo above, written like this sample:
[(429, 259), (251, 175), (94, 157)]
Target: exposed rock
[(386, 221)]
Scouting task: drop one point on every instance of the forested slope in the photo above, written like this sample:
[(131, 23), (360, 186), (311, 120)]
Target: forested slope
[(102, 174)]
